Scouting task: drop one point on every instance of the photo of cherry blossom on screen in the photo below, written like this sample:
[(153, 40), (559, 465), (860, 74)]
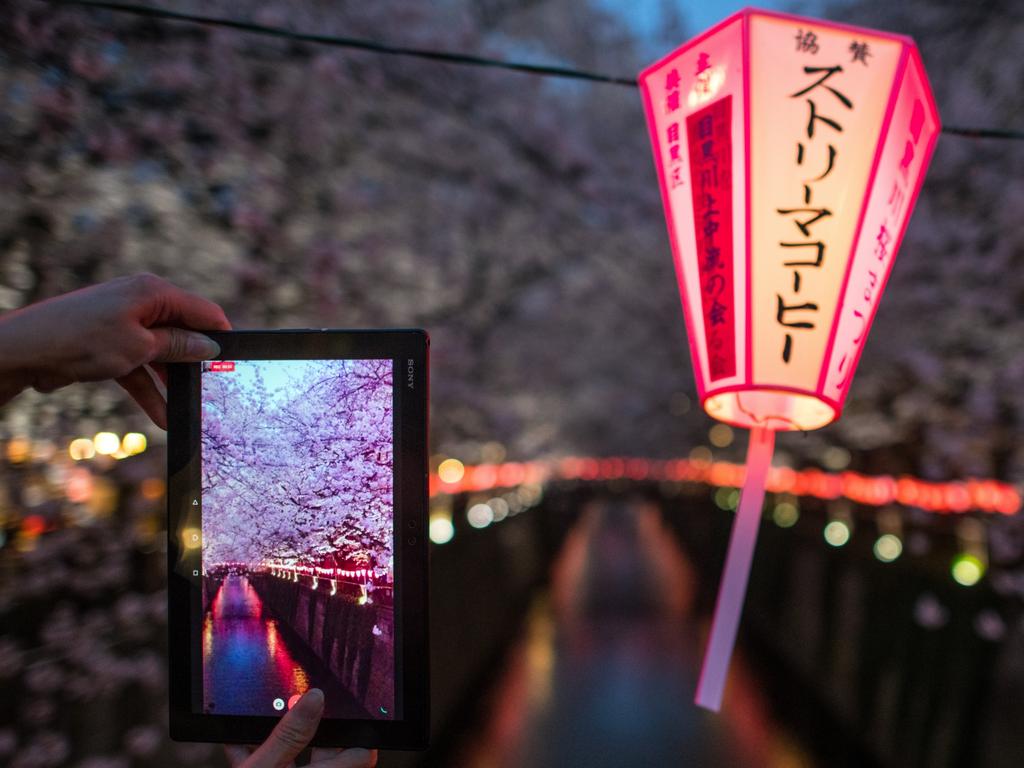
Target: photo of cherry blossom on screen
[(297, 536)]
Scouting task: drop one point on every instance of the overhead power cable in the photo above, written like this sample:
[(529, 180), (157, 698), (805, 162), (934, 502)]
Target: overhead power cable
[(449, 57), (983, 133), (350, 42)]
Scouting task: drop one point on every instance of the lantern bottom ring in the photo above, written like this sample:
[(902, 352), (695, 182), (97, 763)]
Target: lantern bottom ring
[(777, 408)]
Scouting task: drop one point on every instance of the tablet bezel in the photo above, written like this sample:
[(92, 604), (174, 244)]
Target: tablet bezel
[(409, 351)]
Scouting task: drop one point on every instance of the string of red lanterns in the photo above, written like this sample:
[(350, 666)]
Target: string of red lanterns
[(955, 497)]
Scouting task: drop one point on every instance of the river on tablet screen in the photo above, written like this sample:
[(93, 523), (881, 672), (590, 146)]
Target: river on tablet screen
[(251, 659)]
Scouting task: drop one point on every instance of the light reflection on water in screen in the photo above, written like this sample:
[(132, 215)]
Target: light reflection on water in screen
[(246, 662)]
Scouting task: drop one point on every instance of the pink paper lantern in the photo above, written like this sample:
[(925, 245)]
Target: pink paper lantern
[(790, 152)]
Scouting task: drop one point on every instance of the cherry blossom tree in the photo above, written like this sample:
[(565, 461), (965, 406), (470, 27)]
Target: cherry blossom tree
[(516, 218), (300, 470)]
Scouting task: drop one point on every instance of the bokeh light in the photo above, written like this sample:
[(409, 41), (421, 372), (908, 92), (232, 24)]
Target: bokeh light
[(680, 404), (727, 498), (721, 435), (836, 458), (530, 494), (451, 471), (492, 452), (785, 514), (888, 547), (192, 538), (701, 455), (441, 529), (500, 508), (79, 486), (152, 488), (82, 448), (480, 515), (133, 443), (18, 449), (967, 570), (837, 533), (106, 443), (33, 525)]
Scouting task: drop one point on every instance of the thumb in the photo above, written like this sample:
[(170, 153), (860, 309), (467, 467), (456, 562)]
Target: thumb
[(292, 734), (176, 345)]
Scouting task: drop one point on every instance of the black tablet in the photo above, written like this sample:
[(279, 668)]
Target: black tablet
[(297, 554)]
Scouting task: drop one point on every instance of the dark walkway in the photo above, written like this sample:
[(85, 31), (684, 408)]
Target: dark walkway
[(605, 673), (250, 659)]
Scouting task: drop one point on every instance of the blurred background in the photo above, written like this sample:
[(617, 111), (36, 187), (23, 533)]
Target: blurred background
[(518, 219)]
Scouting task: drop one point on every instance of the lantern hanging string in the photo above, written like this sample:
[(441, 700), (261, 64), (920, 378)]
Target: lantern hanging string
[(448, 57), (733, 589)]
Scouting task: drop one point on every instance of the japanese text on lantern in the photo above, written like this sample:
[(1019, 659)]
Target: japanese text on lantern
[(708, 133), (675, 161), (816, 152), (865, 286)]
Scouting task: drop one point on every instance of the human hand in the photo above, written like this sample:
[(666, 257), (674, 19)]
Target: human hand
[(115, 330), (290, 737)]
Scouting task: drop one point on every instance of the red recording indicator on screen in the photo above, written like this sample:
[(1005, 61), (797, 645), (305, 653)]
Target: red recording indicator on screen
[(221, 366)]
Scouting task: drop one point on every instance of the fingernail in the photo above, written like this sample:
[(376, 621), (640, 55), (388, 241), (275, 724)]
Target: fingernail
[(200, 346)]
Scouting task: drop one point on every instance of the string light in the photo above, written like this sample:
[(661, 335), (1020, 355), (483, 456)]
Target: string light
[(955, 497)]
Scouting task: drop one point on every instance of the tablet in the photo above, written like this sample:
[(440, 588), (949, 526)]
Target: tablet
[(297, 554)]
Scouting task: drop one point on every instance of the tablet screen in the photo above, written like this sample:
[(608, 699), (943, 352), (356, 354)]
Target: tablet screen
[(297, 536)]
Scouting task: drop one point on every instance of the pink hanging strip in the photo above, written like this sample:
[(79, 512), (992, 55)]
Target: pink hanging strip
[(737, 569)]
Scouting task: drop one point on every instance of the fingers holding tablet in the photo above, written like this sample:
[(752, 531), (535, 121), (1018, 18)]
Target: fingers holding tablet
[(107, 331), (144, 390), (170, 345), (292, 734), (161, 303), (175, 345)]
